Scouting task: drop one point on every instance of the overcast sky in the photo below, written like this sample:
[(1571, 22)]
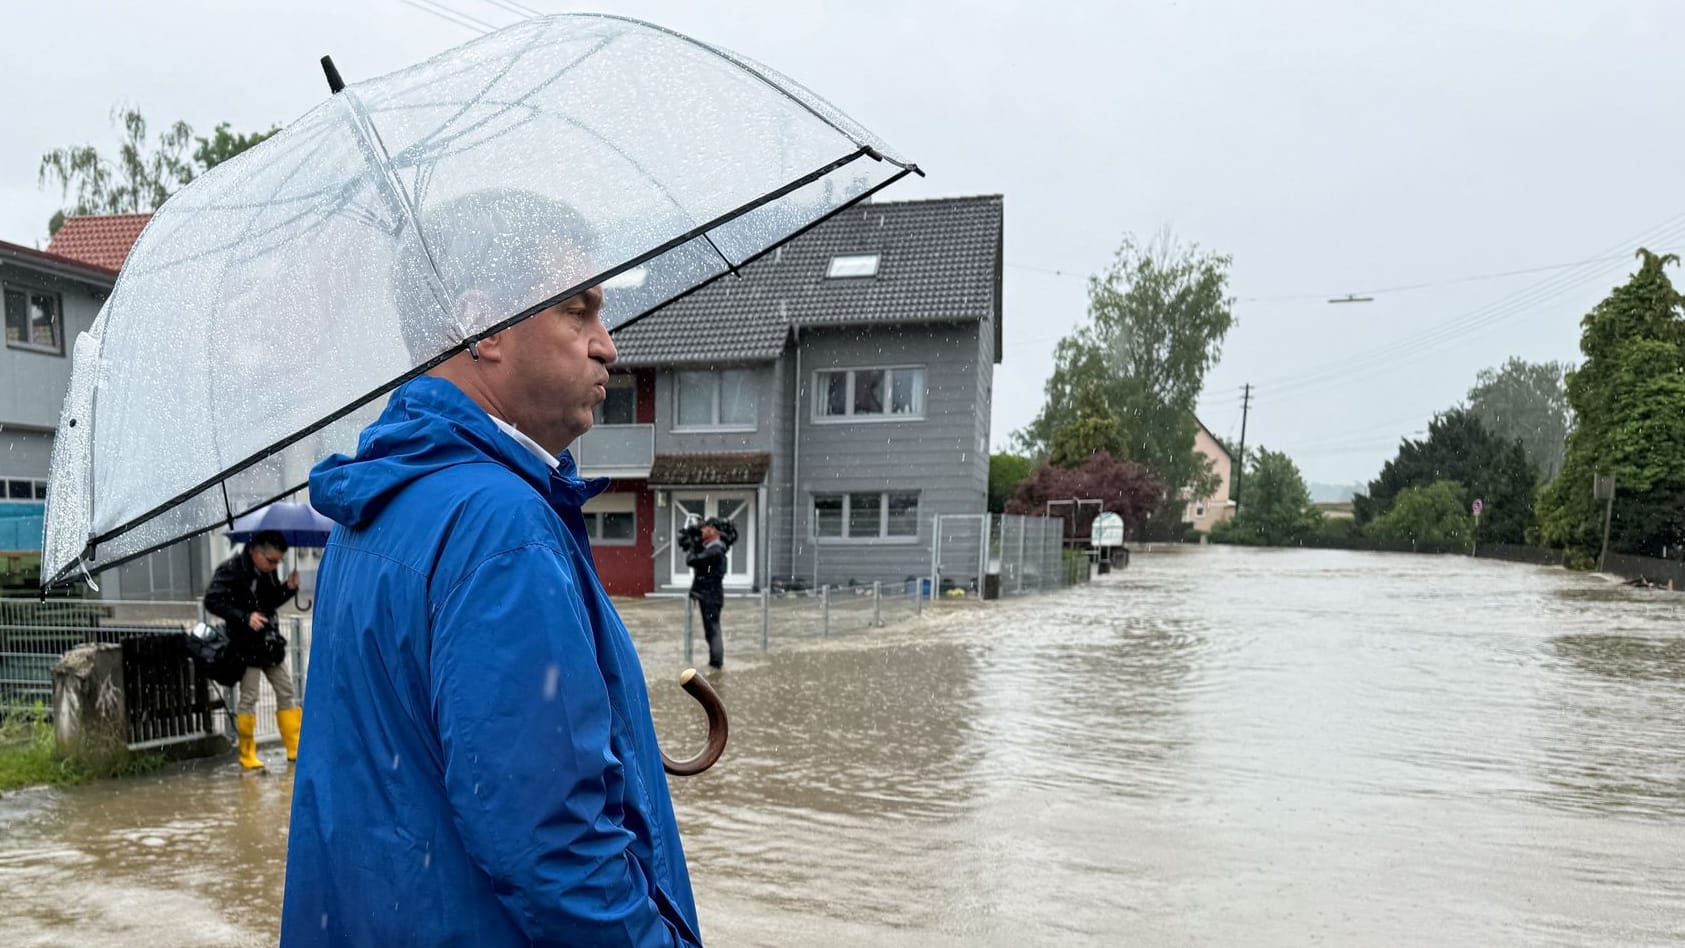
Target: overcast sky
[(1328, 147)]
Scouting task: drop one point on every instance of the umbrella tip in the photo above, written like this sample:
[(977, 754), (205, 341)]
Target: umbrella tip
[(335, 84)]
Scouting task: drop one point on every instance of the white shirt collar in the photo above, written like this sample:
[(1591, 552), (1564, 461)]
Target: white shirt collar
[(526, 442)]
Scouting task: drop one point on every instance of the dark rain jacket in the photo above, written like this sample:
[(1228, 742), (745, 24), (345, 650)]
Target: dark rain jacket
[(708, 573), (239, 589), (478, 766)]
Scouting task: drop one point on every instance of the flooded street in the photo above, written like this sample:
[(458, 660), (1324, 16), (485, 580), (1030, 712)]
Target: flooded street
[(1215, 746)]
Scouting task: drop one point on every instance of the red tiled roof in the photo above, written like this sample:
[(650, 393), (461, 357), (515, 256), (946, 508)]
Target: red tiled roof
[(102, 240)]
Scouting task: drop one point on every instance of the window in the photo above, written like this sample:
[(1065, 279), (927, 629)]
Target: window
[(1199, 511), (871, 393), (23, 488), (33, 320), (611, 519), (853, 265), (621, 405), (716, 399), (892, 515)]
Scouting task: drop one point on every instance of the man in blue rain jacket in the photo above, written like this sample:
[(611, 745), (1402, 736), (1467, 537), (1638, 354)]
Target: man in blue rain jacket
[(479, 764)]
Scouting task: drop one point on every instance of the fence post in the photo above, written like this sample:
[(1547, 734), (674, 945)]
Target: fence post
[(1023, 528), (983, 556), (918, 597), (825, 607), (877, 603), (298, 656), (689, 634), (766, 614), (935, 555)]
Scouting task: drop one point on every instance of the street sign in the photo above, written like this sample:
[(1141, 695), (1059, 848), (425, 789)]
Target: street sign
[(1478, 506), (1106, 531), (1603, 488)]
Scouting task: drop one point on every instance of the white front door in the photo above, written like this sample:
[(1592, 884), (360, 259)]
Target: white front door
[(735, 506)]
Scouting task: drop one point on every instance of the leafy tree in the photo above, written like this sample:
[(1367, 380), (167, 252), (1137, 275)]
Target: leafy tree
[(1434, 514), (1628, 398), (1156, 321), (143, 175), (225, 144), (1093, 429), (1458, 448), (1006, 472), (1526, 402), (1278, 510), (1123, 487)]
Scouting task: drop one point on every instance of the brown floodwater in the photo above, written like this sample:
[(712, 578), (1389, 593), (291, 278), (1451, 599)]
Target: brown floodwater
[(1212, 747)]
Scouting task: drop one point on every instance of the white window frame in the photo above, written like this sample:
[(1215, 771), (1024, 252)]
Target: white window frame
[(618, 380), (718, 376), (853, 266), (883, 536), (617, 502), (38, 488), (58, 304), (821, 391)]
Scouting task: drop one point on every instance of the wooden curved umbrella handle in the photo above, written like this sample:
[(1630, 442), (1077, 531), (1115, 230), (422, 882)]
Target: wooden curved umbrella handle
[(709, 699)]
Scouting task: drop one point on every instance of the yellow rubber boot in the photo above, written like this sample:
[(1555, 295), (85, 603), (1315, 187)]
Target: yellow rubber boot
[(288, 721), (246, 726)]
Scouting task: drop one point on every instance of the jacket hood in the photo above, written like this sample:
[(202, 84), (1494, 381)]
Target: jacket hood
[(429, 424)]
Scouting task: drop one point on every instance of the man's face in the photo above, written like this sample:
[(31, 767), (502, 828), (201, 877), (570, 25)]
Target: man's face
[(558, 369), (709, 534), (267, 559)]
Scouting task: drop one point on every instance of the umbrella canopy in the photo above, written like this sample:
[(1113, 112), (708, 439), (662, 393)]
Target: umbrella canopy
[(300, 524), (268, 305)]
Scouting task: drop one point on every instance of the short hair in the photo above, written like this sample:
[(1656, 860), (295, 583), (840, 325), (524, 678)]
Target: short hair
[(491, 241), (273, 539)]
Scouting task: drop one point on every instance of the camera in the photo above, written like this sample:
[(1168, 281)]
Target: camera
[(690, 537)]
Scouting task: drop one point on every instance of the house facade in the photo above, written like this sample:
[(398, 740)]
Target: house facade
[(1203, 513), (829, 401), (50, 298)]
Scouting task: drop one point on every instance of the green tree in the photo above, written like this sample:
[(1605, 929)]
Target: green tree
[(1092, 429), (1526, 402), (1156, 321), (1460, 449), (1278, 509), (1006, 472), (1628, 398), (143, 175), (1434, 514)]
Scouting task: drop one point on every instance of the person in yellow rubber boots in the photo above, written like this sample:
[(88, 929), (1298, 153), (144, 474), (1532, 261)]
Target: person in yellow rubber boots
[(244, 593)]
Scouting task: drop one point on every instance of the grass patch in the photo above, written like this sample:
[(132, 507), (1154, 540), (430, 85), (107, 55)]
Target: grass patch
[(29, 756)]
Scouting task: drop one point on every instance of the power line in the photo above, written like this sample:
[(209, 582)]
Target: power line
[(1435, 337), (451, 15), (1405, 288)]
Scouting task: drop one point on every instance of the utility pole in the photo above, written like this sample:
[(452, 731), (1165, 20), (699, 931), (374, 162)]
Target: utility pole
[(1239, 472), (1603, 488)]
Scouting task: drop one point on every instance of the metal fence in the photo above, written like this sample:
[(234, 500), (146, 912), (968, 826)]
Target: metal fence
[(166, 699), (1001, 555)]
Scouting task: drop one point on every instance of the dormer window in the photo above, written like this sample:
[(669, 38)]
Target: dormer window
[(853, 265)]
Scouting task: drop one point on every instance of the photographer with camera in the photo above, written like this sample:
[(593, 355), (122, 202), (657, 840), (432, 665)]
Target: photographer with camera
[(244, 593), (705, 547)]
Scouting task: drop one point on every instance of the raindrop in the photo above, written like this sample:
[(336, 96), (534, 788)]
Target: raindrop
[(394, 761), (552, 677)]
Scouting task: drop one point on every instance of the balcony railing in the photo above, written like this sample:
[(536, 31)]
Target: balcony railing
[(616, 451)]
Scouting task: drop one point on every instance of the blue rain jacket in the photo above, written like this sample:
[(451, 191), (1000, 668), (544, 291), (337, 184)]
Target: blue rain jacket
[(478, 765)]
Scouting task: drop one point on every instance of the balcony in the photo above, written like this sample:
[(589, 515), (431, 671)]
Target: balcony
[(615, 451)]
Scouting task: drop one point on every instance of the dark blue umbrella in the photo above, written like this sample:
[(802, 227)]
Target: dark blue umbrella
[(299, 523)]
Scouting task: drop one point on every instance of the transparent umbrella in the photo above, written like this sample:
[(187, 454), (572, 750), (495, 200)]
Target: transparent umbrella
[(270, 304)]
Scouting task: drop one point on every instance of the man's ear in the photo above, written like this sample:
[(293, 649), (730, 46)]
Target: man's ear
[(472, 309), (492, 347)]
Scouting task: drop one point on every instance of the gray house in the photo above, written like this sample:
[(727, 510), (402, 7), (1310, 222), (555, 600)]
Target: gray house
[(50, 297), (830, 400)]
